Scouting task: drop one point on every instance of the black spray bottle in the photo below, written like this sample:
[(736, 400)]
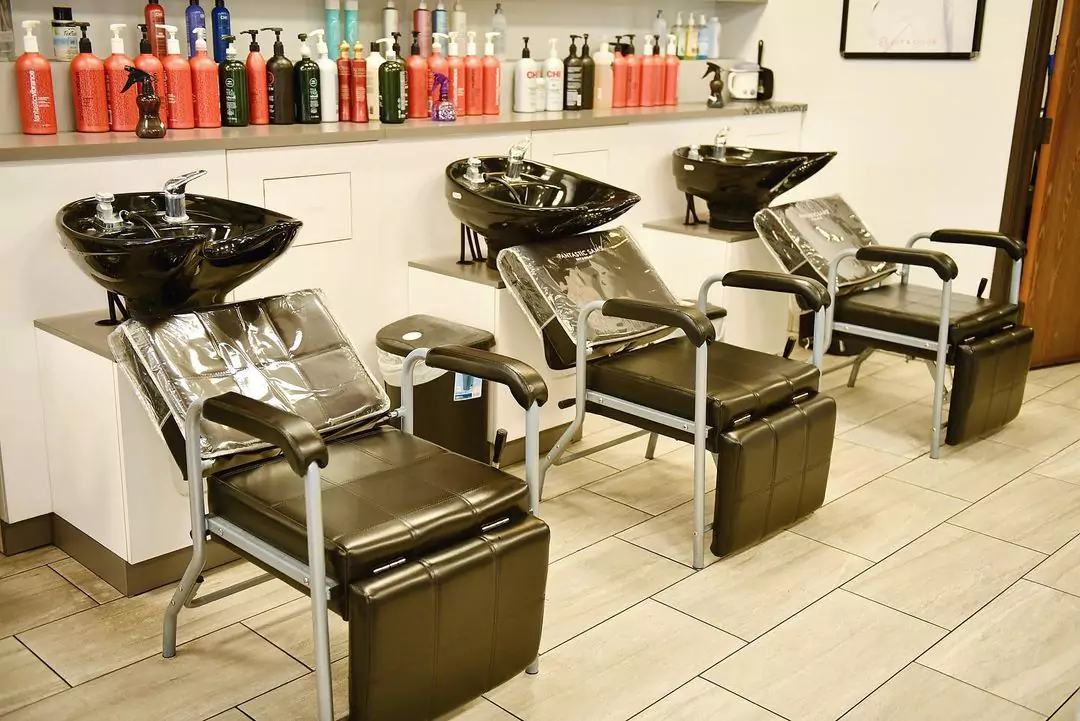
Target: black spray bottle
[(588, 76), (572, 70), (308, 92), (279, 84), (232, 74), (150, 125)]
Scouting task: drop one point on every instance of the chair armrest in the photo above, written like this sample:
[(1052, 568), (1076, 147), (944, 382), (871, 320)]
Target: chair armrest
[(712, 312), (525, 384), (811, 292), (1015, 249), (691, 321), (939, 262), (295, 436)]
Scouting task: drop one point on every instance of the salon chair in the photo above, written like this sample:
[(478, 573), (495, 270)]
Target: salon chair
[(437, 562), (600, 307), (982, 340)]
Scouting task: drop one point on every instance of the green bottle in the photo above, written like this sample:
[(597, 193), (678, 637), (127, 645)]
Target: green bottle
[(308, 94), (234, 91), (393, 86)]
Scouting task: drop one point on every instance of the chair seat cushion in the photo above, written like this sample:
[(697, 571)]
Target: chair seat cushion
[(742, 382), (915, 310), (386, 495)]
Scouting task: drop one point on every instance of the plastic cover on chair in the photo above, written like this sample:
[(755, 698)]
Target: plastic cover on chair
[(287, 351), (804, 237)]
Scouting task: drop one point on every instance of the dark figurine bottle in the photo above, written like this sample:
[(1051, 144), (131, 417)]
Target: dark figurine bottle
[(235, 111), (150, 125)]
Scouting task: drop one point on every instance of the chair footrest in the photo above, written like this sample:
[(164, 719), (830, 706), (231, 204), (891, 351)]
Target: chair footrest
[(988, 383)]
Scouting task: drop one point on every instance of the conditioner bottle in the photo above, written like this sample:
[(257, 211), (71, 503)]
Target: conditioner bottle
[(258, 102), (204, 85), (328, 82), (374, 62), (393, 86), (573, 70), (308, 91), (279, 84), (527, 75), (553, 78), (233, 88), (37, 104), (358, 89), (605, 80), (492, 77), (123, 110), (179, 83), (88, 88), (588, 76)]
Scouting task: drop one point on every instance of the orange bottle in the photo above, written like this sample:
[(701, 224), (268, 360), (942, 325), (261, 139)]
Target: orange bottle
[(258, 95), (178, 83), (474, 79), (34, 76), (492, 78), (620, 74), (203, 83), (417, 69), (151, 65), (652, 75), (671, 74), (633, 76), (88, 88), (123, 110), (358, 88)]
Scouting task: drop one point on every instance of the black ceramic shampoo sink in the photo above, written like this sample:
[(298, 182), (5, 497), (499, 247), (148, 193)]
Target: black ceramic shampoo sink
[(162, 267), (532, 204), (738, 182)]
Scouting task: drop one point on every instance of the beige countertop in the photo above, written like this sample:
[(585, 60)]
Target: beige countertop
[(17, 147), (676, 225), (81, 329), (475, 272)]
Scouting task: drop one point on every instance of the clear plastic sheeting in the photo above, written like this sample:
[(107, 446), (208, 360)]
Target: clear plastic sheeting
[(286, 351), (552, 281), (805, 237)]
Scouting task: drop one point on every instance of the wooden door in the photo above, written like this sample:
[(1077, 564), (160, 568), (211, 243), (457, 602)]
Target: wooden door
[(1051, 284)]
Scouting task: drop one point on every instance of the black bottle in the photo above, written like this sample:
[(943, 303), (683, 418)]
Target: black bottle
[(149, 125), (588, 76), (235, 111), (279, 84), (308, 93), (572, 72)]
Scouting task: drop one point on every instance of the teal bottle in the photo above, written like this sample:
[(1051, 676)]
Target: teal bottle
[(308, 93), (235, 111), (393, 87)]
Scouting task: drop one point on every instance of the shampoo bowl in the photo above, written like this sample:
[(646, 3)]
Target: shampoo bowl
[(738, 182), (533, 204), (162, 267)]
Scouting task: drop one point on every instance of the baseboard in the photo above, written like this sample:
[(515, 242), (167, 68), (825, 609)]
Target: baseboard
[(514, 451), (25, 535)]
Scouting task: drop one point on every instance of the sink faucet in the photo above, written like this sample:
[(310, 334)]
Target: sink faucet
[(516, 158), (105, 216), (175, 194), (474, 173), (720, 143)]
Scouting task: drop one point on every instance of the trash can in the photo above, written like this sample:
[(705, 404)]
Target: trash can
[(450, 408)]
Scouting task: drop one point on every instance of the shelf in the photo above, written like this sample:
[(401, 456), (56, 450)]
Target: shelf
[(14, 147)]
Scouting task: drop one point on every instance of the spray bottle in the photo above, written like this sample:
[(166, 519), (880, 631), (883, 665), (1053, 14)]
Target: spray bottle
[(149, 125), (344, 74), (333, 29), (393, 86), (605, 81), (442, 110), (352, 22), (553, 78), (233, 87), (88, 88), (573, 73), (257, 81), (205, 85), (328, 81), (37, 104), (178, 83), (474, 78), (456, 74), (374, 62), (150, 63), (358, 87), (492, 69), (671, 72), (123, 110), (307, 86), (279, 84), (588, 76), (437, 64), (419, 93)]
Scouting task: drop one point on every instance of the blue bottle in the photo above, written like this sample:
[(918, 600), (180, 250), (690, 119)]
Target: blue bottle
[(222, 26), (333, 27), (195, 17)]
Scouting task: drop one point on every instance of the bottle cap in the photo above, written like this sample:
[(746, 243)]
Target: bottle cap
[(453, 49), (144, 42), (489, 46), (30, 43), (397, 41), (116, 43), (352, 5), (585, 46), (62, 14), (172, 45), (254, 46), (279, 47), (84, 41), (436, 43), (305, 51), (320, 42), (470, 47), (415, 50), (343, 49), (333, 5), (219, 3), (200, 39), (230, 50), (389, 42), (193, 3), (672, 50)]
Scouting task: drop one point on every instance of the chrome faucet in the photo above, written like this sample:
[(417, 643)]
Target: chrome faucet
[(516, 159), (105, 216), (720, 143), (474, 172), (176, 194)]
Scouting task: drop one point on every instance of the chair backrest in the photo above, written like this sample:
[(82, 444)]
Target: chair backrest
[(287, 351), (552, 281), (805, 236)]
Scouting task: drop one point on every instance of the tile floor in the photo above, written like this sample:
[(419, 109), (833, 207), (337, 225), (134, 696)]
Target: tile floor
[(924, 590)]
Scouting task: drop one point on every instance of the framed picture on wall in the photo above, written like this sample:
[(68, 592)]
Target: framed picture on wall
[(912, 29)]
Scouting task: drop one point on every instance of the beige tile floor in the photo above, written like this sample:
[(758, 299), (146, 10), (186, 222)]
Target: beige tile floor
[(924, 590)]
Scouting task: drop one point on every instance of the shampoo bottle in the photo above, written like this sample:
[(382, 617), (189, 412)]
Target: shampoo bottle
[(573, 70), (714, 38), (123, 110), (588, 76), (620, 78), (352, 22), (393, 86), (257, 82), (492, 77), (605, 80), (194, 17), (527, 75), (358, 89), (333, 30), (437, 64), (500, 26), (456, 75), (474, 78), (374, 62), (459, 20), (155, 20), (232, 76), (671, 73), (417, 68), (328, 80), (440, 19), (422, 26), (691, 39), (33, 75), (389, 19), (553, 78), (222, 26), (307, 86), (149, 125), (659, 28), (88, 88), (204, 86), (150, 64), (279, 84), (680, 36), (652, 75), (704, 41), (633, 75), (345, 83)]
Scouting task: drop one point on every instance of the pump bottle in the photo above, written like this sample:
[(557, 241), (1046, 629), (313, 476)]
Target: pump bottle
[(358, 86), (88, 87), (232, 82), (393, 86), (680, 36), (553, 78), (437, 64), (123, 110), (222, 26), (279, 84), (204, 86), (37, 103), (492, 77), (671, 73), (179, 81), (527, 74), (574, 71), (474, 78), (456, 75), (417, 69), (633, 75), (652, 75), (605, 80), (422, 26), (151, 65), (155, 24), (308, 91), (588, 76), (691, 39), (344, 76), (374, 62), (620, 77), (258, 103), (194, 17), (328, 82)]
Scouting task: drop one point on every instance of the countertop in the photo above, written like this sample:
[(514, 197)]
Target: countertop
[(676, 225), (477, 272), (18, 147), (81, 329)]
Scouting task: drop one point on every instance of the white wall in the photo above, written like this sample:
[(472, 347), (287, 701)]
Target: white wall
[(922, 144)]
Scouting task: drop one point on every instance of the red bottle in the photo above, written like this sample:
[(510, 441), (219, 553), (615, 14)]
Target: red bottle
[(671, 76), (652, 76), (620, 77), (123, 110), (345, 86), (258, 95), (474, 79), (417, 69), (88, 88), (149, 64), (178, 81), (492, 78), (358, 89), (33, 73), (155, 25), (633, 76), (456, 75)]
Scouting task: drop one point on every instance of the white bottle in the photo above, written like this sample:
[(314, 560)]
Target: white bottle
[(374, 62), (659, 28), (459, 20), (389, 20), (527, 74), (605, 76), (714, 38), (328, 78), (553, 78), (498, 25)]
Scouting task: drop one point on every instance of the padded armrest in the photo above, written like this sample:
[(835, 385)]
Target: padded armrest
[(808, 290), (295, 436), (1015, 249), (939, 262), (524, 382), (691, 321), (712, 312)]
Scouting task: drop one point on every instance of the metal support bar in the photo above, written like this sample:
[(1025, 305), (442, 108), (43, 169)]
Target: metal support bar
[(407, 411), (886, 336), (856, 365), (226, 592), (1014, 288), (701, 382), (649, 414), (939, 375), (569, 457), (650, 449), (320, 619), (288, 566)]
